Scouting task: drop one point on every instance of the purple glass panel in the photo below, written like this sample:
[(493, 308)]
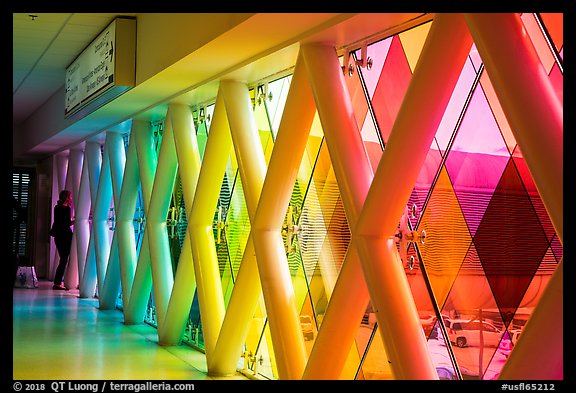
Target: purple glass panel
[(510, 242), (455, 105)]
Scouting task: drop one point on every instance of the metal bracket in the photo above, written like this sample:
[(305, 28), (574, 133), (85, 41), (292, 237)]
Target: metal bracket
[(290, 228), (404, 236), (220, 225), (364, 61)]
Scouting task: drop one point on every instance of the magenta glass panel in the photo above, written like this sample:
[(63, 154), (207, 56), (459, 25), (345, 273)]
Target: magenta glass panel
[(476, 159), (378, 52), (474, 176), (391, 88), (499, 358), (423, 183), (534, 195), (510, 241), (455, 105)]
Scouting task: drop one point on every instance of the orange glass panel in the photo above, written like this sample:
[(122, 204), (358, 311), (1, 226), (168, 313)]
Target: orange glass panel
[(447, 237), (413, 41), (497, 111), (554, 23), (376, 364)]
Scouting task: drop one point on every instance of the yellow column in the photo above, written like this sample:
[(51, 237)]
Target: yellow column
[(274, 198), (185, 281), (208, 284), (536, 118)]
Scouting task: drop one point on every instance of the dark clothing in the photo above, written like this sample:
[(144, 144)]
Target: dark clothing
[(62, 238)]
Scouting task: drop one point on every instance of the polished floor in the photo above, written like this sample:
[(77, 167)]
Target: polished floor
[(57, 335)]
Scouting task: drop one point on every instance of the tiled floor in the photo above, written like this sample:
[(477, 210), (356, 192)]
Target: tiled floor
[(57, 335)]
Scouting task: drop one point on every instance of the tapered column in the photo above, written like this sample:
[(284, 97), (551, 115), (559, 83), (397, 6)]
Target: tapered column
[(276, 190), (82, 212), (354, 176), (60, 163), (93, 162), (535, 115), (437, 71), (100, 214), (73, 175), (135, 310), (156, 227), (185, 281), (208, 284), (117, 156), (252, 169), (125, 220)]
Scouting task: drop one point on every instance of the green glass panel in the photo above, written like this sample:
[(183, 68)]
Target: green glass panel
[(237, 226)]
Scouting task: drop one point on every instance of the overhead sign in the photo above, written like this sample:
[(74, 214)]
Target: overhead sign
[(107, 65)]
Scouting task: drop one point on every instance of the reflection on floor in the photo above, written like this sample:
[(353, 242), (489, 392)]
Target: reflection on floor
[(57, 335)]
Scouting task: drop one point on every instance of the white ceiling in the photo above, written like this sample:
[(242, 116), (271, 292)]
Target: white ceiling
[(44, 44)]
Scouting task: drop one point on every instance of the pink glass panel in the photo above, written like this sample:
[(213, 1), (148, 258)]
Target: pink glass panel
[(378, 52), (475, 57), (455, 106)]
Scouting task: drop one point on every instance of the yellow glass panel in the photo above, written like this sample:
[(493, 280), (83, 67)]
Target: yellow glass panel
[(376, 364), (447, 237), (413, 41), (265, 363), (308, 325)]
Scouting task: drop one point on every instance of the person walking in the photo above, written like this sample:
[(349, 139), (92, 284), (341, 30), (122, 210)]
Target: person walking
[(62, 235)]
